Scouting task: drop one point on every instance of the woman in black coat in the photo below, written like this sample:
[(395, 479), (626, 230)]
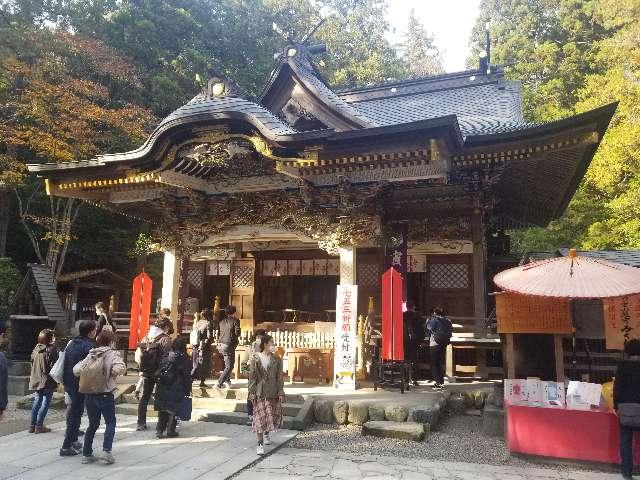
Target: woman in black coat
[(626, 389), (174, 384)]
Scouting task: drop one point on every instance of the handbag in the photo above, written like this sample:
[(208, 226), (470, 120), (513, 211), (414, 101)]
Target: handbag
[(57, 371), (629, 414), (185, 409)]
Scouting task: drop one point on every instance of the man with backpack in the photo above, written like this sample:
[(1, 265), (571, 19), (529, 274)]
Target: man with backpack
[(98, 373), (103, 319), (440, 330), (76, 351), (151, 351)]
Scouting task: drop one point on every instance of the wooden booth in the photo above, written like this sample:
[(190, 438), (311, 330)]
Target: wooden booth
[(269, 203)]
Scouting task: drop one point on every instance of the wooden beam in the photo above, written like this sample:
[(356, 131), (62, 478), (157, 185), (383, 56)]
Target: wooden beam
[(479, 267), (511, 357), (559, 354)]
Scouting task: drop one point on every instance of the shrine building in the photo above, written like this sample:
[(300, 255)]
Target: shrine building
[(270, 202)]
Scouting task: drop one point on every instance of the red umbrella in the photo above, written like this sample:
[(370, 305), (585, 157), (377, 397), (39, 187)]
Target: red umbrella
[(571, 277)]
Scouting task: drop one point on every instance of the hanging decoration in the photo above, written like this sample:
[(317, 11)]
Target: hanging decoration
[(140, 309)]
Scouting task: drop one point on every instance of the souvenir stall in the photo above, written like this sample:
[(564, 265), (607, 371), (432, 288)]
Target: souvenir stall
[(549, 415)]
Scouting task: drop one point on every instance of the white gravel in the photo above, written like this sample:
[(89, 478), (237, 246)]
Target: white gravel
[(458, 439)]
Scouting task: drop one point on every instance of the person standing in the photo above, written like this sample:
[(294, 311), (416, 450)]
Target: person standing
[(174, 385), (98, 373), (227, 343), (76, 351), (153, 348), (4, 374), (626, 401), (413, 336), (201, 351), (43, 357), (266, 391), (440, 331), (103, 319), (255, 349)]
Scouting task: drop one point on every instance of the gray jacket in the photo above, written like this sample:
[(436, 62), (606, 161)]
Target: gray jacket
[(267, 383)]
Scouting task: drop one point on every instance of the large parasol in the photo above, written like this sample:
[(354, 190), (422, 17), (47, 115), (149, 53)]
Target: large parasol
[(571, 277)]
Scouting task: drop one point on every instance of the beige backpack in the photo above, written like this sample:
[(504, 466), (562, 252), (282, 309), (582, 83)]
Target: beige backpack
[(94, 375)]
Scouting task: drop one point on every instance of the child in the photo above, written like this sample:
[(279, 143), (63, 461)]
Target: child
[(266, 391)]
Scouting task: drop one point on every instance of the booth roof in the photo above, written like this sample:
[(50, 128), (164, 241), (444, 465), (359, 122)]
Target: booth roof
[(571, 277)]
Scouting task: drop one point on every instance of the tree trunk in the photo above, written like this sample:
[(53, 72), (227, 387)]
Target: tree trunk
[(5, 202)]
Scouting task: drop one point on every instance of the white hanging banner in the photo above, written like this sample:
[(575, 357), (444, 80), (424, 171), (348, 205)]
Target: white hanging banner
[(346, 329)]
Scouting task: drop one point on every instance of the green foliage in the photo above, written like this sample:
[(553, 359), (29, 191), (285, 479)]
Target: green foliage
[(572, 56), (9, 282), (422, 56)]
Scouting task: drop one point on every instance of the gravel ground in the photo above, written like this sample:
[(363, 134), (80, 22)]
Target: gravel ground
[(14, 413), (458, 439)]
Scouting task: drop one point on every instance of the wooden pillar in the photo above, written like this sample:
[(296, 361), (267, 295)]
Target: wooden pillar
[(347, 265), (170, 285), (479, 271), (559, 354), (511, 356)]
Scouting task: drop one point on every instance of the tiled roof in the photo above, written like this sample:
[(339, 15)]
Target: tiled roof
[(203, 106), (483, 104), (312, 80), (71, 276), (627, 257), (46, 288)]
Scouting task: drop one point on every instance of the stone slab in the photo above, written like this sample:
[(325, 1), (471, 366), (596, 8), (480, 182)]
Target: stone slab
[(493, 419), (400, 430)]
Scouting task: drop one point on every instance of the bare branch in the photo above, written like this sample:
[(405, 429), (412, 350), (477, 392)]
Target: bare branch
[(22, 214)]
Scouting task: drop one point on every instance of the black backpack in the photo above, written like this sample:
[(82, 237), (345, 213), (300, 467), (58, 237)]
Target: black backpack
[(167, 375), (443, 331), (150, 358)]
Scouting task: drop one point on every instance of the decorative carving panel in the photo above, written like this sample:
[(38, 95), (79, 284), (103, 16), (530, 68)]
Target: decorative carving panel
[(449, 275), (195, 276), (368, 274), (242, 276)]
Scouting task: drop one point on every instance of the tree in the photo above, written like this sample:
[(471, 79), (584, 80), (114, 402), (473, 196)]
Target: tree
[(422, 56), (573, 56), (58, 91)]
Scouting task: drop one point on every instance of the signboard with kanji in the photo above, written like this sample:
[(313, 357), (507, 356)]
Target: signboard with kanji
[(346, 326), (621, 320)]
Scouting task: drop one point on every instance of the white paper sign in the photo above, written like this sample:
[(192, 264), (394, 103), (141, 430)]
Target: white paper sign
[(553, 394), (346, 326), (515, 391), (534, 392), (581, 395)]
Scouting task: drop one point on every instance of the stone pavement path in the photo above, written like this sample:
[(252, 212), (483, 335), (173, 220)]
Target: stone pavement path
[(298, 464), (204, 451)]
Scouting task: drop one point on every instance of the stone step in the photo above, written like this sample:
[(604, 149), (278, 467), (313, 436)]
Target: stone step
[(242, 394), (18, 385), (400, 430), (131, 409), (57, 402), (224, 405), (20, 369), (239, 418)]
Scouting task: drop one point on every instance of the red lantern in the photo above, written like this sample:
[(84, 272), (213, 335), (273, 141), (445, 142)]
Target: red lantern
[(140, 309), (392, 323)]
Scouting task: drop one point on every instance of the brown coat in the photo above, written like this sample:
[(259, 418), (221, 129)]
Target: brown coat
[(267, 383)]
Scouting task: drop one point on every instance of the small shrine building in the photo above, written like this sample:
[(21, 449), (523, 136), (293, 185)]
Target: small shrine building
[(270, 202)]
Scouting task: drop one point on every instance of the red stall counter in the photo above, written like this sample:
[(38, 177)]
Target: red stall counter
[(590, 435)]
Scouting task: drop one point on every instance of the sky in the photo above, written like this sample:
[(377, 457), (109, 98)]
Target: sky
[(449, 21)]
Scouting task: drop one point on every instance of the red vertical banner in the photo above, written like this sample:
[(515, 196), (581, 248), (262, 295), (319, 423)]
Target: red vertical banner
[(392, 324), (140, 309)]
